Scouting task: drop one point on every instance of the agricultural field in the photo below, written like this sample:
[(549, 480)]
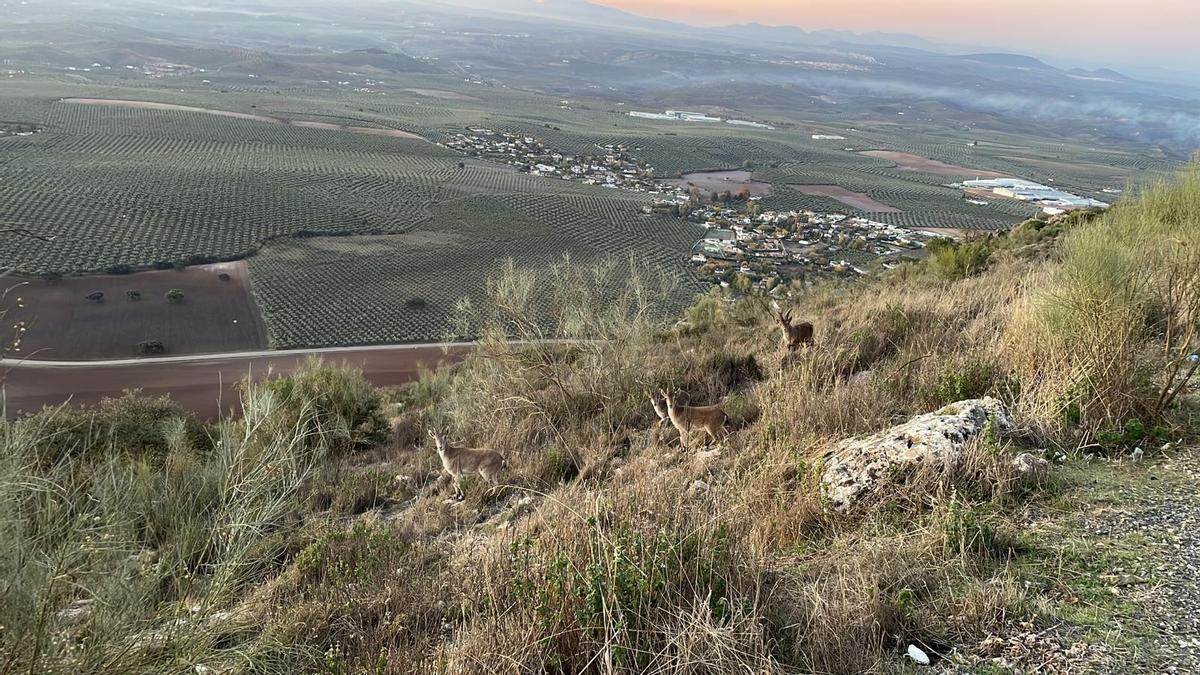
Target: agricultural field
[(410, 287), (359, 227), (198, 310)]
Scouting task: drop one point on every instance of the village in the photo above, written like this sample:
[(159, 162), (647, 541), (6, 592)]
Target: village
[(745, 248), (610, 167)]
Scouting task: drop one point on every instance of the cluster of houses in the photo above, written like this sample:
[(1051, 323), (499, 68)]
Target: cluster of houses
[(611, 166), (744, 246), (1051, 200), (754, 250)]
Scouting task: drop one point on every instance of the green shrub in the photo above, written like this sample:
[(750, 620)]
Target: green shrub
[(961, 381), (953, 259), (1134, 433), (132, 423), (335, 407), (355, 556), (968, 530)]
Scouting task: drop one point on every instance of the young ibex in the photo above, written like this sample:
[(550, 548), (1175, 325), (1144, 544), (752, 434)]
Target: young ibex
[(794, 335), (462, 461), (663, 417), (709, 418)]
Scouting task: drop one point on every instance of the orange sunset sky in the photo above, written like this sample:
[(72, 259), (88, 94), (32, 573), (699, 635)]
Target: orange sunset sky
[(1164, 32)]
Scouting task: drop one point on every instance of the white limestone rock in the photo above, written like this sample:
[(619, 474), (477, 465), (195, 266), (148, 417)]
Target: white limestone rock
[(1027, 464), (853, 466)]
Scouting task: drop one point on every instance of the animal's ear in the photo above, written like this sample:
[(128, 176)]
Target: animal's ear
[(431, 434)]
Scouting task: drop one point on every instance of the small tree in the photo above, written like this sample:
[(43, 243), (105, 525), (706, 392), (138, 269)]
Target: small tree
[(95, 296), (134, 295), (151, 347), (174, 295), (224, 276)]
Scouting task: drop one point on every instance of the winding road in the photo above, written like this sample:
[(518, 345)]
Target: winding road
[(205, 384)]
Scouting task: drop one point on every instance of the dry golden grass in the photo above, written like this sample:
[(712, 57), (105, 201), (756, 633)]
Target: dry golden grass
[(609, 549)]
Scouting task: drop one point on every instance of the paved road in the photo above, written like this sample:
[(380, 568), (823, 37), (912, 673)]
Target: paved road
[(205, 384)]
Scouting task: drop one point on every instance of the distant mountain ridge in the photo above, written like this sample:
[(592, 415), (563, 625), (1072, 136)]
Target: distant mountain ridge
[(1009, 60)]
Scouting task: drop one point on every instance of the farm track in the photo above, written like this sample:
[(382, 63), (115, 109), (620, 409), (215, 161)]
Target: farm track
[(206, 384)]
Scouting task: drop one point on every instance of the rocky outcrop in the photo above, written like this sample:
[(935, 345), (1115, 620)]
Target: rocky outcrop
[(854, 466)]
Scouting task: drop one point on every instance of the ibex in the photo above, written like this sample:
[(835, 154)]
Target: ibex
[(709, 418), (462, 461), (794, 335), (663, 417)]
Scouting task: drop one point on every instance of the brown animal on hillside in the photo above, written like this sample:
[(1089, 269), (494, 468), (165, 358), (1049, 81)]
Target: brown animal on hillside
[(663, 417), (709, 418), (795, 335), (458, 462)]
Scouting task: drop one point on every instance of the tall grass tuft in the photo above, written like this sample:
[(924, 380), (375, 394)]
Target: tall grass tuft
[(1108, 336), (127, 556)]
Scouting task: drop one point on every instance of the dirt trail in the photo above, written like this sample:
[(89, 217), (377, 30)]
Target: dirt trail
[(855, 200), (150, 105), (910, 162), (206, 385)]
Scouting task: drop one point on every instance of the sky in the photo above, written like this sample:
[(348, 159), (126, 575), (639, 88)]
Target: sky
[(1144, 32)]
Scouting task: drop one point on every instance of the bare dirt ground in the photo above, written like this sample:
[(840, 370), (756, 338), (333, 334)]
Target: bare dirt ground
[(910, 162), (215, 315), (720, 181), (149, 105), (367, 131), (438, 93), (206, 386), (856, 200)]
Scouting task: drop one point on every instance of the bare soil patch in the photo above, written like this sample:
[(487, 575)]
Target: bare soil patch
[(149, 105), (366, 131), (207, 387), (721, 181), (214, 314), (438, 93), (910, 162), (856, 200)]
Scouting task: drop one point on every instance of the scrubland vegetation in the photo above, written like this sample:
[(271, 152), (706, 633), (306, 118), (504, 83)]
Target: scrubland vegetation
[(313, 534)]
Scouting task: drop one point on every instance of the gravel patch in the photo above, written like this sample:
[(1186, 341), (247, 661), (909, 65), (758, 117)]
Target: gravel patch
[(1168, 519)]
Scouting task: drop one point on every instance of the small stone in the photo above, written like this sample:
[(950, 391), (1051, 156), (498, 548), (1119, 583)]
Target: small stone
[(1027, 464), (917, 655)]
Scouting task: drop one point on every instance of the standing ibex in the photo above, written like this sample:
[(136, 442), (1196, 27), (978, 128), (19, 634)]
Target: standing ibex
[(663, 417), (794, 335), (709, 418), (461, 461)]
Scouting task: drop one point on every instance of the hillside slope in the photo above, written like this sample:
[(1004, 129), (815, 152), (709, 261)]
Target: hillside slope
[(314, 534)]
